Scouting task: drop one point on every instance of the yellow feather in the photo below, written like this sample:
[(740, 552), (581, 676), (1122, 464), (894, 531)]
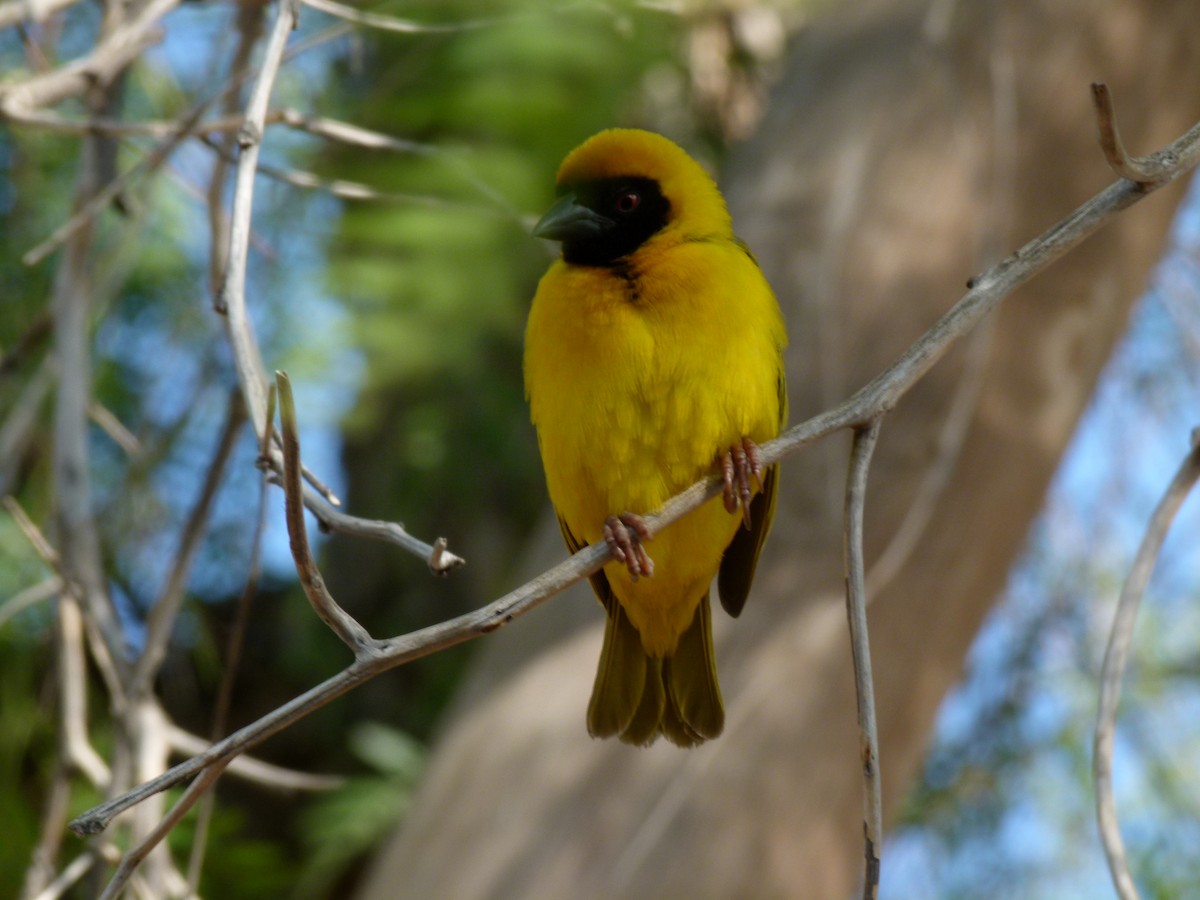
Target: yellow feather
[(640, 375)]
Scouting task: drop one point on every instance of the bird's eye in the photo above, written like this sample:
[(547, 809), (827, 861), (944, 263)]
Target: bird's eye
[(627, 201)]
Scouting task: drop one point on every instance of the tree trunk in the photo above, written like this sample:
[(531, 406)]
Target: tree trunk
[(908, 146)]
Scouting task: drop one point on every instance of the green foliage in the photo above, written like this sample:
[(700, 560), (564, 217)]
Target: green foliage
[(344, 826)]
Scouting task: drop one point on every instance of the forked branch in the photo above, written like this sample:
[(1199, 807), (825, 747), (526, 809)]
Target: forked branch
[(860, 412)]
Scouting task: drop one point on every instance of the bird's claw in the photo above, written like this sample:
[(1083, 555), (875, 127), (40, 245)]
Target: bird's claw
[(624, 535), (741, 464)]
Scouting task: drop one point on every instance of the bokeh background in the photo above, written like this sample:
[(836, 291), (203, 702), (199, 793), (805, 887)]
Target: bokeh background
[(399, 317)]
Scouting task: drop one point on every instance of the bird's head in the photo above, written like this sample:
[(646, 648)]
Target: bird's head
[(624, 187)]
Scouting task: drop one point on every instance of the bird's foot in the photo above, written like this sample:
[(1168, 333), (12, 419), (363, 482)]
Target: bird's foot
[(624, 535), (741, 464)]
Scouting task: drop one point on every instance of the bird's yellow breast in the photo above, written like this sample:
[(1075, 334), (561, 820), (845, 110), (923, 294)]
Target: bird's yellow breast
[(639, 376)]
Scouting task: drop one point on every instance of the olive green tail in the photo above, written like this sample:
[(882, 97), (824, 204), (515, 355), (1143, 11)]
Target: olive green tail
[(637, 697)]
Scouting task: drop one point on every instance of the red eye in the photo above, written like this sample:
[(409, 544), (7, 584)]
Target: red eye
[(628, 201)]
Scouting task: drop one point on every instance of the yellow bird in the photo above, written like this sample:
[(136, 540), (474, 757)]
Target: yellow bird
[(654, 358)]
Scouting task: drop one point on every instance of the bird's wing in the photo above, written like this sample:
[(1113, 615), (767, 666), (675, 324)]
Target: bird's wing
[(599, 582), (741, 556)]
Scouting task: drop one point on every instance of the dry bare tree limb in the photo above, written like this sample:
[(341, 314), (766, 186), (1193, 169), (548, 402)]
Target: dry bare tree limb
[(14, 12), (40, 872), (870, 402), (48, 555), (1140, 169), (251, 18), (162, 129), (76, 750), (79, 544), (112, 426), (231, 302), (347, 133), (103, 196), (439, 559), (33, 337), (165, 611), (392, 23), (133, 858), (30, 596), (950, 442), (353, 190), (352, 634), (19, 426), (73, 871), (860, 650), (233, 658), (99, 67), (1116, 655), (255, 771)]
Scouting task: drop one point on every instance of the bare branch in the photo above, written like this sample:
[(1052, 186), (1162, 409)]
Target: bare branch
[(164, 612), (18, 428), (100, 67), (392, 23), (233, 658), (860, 651), (439, 559), (79, 544), (347, 133), (340, 622), (58, 805), (858, 412), (111, 425), (231, 300), (77, 750), (13, 12), (256, 771), (30, 596), (131, 860), (75, 870), (1116, 655), (1139, 169), (102, 197), (232, 295)]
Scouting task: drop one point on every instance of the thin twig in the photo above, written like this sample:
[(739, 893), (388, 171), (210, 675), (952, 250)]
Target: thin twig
[(233, 658), (42, 865), (76, 749), (112, 426), (860, 651), (165, 610), (439, 559), (75, 870), (162, 129), (98, 201), (231, 301), (18, 429), (352, 634), (131, 860), (1116, 655), (99, 67), (30, 596), (392, 23), (13, 12), (859, 411), (232, 295), (348, 133), (353, 190), (253, 770), (48, 555), (1139, 169)]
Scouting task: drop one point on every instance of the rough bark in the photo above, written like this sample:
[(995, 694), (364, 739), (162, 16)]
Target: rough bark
[(908, 145)]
